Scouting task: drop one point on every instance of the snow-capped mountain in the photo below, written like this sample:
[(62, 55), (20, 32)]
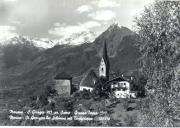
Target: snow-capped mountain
[(40, 43), (75, 39), (74, 60), (79, 38), (113, 35)]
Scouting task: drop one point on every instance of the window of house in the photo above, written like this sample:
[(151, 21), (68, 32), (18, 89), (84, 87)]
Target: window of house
[(113, 89), (124, 89), (112, 86)]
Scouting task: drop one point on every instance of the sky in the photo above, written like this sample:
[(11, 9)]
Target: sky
[(56, 19)]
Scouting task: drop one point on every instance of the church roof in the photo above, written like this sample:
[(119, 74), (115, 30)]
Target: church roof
[(89, 78), (62, 75)]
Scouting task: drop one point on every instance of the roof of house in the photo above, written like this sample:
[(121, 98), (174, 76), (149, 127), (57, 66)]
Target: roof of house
[(116, 79), (88, 79), (63, 75)]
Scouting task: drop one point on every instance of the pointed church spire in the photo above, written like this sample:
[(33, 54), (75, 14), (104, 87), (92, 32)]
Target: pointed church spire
[(104, 65), (105, 54)]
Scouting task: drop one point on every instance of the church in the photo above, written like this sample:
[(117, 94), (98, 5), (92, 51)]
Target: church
[(119, 86)]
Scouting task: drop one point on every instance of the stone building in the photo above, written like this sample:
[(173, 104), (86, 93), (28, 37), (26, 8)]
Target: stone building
[(63, 83)]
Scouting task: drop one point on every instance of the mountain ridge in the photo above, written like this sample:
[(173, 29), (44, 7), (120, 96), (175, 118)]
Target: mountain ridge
[(42, 43), (113, 36), (76, 60)]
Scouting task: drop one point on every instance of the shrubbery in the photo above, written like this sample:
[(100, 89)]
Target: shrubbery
[(158, 28)]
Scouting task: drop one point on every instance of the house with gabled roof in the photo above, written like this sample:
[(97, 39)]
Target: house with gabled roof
[(120, 87), (89, 80)]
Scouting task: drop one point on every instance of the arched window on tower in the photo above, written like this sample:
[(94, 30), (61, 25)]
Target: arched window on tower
[(102, 69)]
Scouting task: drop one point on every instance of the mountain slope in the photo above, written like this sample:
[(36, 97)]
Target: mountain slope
[(76, 60), (113, 36), (126, 56)]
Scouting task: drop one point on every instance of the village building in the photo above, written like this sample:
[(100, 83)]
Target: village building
[(88, 82), (119, 86), (63, 83)]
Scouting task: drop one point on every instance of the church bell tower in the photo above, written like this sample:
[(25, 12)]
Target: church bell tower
[(104, 64)]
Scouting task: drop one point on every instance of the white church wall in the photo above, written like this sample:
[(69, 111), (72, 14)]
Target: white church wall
[(85, 88)]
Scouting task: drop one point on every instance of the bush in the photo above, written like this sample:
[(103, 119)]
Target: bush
[(125, 103), (131, 120)]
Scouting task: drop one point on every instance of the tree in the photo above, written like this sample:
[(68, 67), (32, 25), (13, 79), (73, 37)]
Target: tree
[(101, 89), (138, 84), (158, 28)]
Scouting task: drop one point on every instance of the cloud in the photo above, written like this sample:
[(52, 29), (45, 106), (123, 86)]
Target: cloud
[(9, 0), (7, 32), (15, 22), (105, 3), (74, 34), (91, 24), (102, 15), (84, 8), (57, 24), (68, 30)]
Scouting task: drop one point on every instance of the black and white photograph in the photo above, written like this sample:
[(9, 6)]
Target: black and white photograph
[(98, 63)]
